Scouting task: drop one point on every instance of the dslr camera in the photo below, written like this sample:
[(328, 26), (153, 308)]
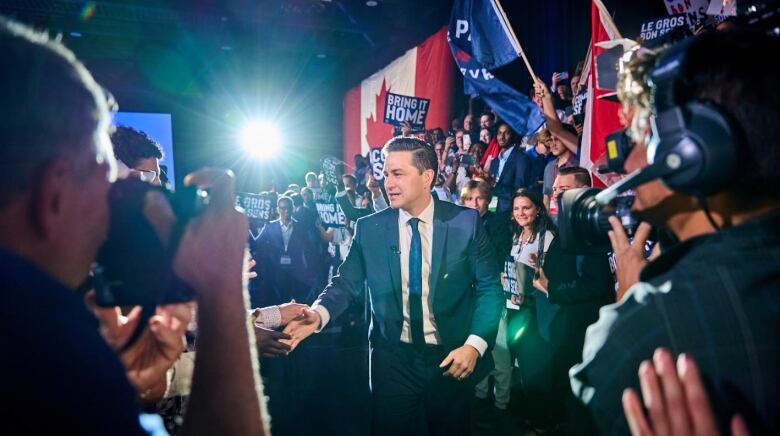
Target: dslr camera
[(134, 266)]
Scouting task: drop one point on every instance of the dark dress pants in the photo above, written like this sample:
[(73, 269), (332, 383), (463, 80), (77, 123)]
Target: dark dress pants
[(411, 396)]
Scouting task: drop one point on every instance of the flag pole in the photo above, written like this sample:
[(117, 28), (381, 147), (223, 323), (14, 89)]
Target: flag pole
[(607, 18), (508, 28)]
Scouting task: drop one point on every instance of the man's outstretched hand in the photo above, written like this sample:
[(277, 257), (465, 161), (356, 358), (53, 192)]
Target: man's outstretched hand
[(302, 327)]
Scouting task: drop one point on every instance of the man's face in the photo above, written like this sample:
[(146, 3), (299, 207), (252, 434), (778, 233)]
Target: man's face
[(484, 136), (575, 83), (322, 181), (285, 210), (556, 147), (563, 183), (468, 123), (406, 186), (650, 196), (307, 196), (485, 122), (563, 91), (311, 181), (475, 200), (149, 170), (459, 140), (504, 136)]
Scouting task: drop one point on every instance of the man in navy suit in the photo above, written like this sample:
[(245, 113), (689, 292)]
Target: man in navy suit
[(435, 299), (285, 256), (511, 169)]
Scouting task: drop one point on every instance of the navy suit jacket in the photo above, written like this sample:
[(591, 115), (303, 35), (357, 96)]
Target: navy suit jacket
[(270, 248), (464, 280), (517, 174)]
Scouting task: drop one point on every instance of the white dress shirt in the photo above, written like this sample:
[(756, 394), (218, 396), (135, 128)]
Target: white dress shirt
[(286, 233), (425, 227), (503, 156)]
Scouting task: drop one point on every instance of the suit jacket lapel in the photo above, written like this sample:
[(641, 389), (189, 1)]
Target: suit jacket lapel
[(510, 162), (393, 256), (437, 251)]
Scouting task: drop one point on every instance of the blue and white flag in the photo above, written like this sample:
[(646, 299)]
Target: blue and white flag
[(511, 105), (478, 28)]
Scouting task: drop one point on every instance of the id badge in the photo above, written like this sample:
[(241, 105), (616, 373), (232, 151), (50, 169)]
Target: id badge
[(285, 260)]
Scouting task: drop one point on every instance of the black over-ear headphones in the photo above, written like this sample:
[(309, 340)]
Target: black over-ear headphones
[(695, 146)]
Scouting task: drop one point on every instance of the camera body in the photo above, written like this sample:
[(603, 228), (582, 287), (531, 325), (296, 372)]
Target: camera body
[(134, 266), (583, 223)]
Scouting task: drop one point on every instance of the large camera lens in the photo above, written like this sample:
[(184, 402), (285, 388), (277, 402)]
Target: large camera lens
[(583, 223)]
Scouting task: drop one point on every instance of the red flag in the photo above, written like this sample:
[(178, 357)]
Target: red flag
[(601, 117)]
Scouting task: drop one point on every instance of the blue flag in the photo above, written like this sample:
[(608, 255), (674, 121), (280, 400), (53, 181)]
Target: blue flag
[(512, 106), (477, 28)]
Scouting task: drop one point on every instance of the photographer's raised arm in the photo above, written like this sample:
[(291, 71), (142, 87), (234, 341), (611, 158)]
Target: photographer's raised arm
[(226, 389)]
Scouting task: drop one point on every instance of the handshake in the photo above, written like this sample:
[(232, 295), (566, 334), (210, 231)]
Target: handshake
[(298, 320)]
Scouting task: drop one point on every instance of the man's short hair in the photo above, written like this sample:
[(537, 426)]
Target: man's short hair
[(512, 133), (480, 185), (131, 146), (489, 115), (725, 67), (51, 108), (581, 175), (423, 154), (285, 199), (352, 178)]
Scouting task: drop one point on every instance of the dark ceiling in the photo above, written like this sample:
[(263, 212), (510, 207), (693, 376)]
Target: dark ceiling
[(212, 64)]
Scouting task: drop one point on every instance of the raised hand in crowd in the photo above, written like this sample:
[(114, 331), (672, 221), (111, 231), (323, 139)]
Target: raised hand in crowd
[(448, 145), (676, 401), (629, 256), (556, 77), (554, 124)]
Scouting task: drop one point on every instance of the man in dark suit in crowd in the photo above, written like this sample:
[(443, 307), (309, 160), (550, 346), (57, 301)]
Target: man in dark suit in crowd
[(284, 259), (435, 299), (511, 169)]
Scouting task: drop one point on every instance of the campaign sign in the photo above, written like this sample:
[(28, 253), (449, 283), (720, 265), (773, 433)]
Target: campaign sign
[(330, 170), (403, 108), (660, 26), (377, 160), (511, 287), (256, 206), (330, 213)]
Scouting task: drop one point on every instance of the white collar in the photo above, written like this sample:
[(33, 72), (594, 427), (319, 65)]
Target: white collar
[(426, 216)]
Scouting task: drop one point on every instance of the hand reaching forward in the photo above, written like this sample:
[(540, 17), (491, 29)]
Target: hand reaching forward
[(301, 328)]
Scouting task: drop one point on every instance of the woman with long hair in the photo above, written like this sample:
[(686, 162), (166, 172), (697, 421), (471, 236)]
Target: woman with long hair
[(528, 311)]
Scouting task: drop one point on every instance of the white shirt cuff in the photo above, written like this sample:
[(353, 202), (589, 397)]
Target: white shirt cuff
[(324, 316), (478, 343)]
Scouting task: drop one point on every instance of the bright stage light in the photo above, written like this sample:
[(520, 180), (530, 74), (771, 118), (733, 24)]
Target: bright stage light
[(261, 140)]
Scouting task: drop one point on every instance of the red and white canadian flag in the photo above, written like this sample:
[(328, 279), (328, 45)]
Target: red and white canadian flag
[(601, 116), (425, 71)]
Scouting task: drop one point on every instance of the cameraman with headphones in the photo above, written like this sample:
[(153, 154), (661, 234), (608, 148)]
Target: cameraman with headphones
[(712, 137)]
